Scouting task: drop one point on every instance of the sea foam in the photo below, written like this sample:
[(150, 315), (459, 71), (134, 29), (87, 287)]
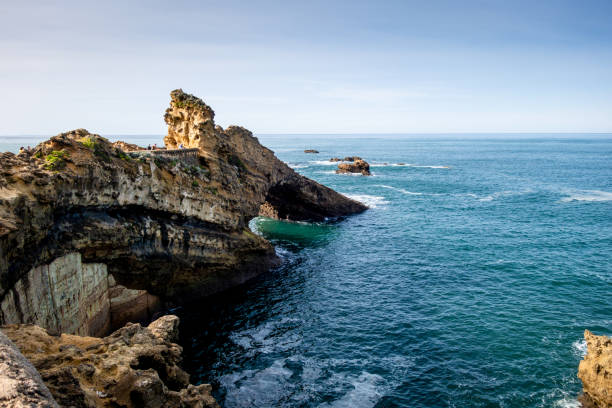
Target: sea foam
[(369, 200), (401, 190), (588, 195)]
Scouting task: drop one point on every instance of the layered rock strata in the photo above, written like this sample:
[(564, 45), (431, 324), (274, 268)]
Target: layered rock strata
[(595, 371), (90, 233), (133, 367)]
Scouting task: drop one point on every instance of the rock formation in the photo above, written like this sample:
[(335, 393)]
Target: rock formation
[(94, 234), (346, 159), (133, 367), (92, 237), (311, 151), (358, 166), (20, 383), (595, 371)]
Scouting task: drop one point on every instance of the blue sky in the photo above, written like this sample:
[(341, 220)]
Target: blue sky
[(308, 67)]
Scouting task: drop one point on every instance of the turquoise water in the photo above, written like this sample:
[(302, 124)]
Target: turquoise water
[(468, 283)]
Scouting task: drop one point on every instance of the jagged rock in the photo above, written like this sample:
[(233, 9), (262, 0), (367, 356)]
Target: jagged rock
[(164, 227), (126, 147), (358, 166), (133, 367), (20, 383), (166, 328), (351, 158), (335, 159), (311, 151), (595, 371)]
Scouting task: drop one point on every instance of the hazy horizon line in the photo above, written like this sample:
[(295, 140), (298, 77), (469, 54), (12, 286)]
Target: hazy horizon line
[(346, 133)]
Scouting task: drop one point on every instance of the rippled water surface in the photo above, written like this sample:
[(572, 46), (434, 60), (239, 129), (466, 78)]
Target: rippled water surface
[(468, 283)]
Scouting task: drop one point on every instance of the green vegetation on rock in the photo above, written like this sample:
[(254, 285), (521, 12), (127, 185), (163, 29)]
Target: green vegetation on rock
[(56, 160)]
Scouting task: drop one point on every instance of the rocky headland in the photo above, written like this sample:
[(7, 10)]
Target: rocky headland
[(595, 371), (94, 235)]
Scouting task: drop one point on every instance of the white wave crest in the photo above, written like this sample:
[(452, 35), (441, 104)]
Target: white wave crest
[(430, 167), (580, 347), (369, 200), (588, 195), (298, 166), (401, 190), (568, 403), (367, 390), (323, 162)]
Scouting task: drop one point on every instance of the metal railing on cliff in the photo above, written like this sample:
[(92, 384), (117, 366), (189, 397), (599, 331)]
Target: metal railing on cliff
[(186, 155)]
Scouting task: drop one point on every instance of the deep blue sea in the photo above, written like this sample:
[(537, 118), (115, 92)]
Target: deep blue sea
[(468, 282)]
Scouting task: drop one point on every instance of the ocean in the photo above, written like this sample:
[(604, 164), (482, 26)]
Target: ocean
[(468, 282)]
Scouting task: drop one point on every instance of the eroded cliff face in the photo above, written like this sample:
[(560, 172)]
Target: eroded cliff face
[(285, 193), (133, 367), (166, 229), (595, 371)]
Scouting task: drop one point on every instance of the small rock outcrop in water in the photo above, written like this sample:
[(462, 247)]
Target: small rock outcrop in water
[(358, 166), (595, 371), (311, 151), (133, 367), (346, 159)]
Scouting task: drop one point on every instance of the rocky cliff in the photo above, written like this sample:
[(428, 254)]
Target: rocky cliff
[(92, 237), (595, 371)]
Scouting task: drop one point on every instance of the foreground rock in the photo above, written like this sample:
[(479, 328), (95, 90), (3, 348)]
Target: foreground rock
[(92, 237), (20, 383), (133, 367), (358, 166), (595, 371)]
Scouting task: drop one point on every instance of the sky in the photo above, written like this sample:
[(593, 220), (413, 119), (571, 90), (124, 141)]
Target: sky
[(308, 66)]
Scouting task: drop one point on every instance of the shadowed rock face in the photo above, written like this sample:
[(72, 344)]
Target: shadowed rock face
[(595, 371), (172, 228)]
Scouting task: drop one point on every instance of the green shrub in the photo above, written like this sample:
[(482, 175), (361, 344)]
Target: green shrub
[(38, 154), (194, 183), (56, 160), (123, 156), (235, 161), (89, 142), (212, 190)]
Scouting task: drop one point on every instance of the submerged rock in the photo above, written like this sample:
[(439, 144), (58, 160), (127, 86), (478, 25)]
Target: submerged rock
[(595, 371), (358, 166), (133, 367)]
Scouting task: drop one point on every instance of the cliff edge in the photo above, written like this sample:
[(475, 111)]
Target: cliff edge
[(93, 236)]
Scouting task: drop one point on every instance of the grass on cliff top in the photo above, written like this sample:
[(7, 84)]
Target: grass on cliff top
[(56, 160), (181, 99), (96, 147)]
